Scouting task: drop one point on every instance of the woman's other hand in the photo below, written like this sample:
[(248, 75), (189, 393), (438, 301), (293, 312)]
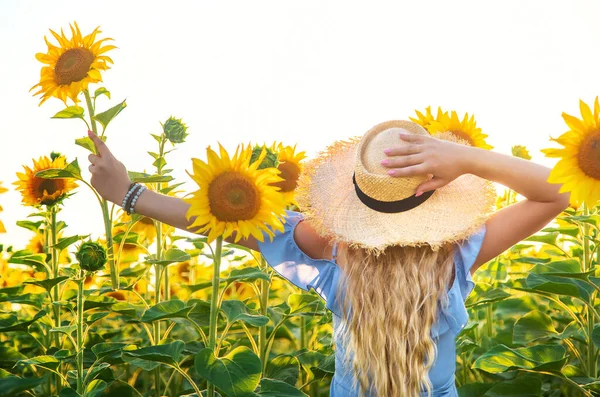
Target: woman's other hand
[(421, 155), (109, 175)]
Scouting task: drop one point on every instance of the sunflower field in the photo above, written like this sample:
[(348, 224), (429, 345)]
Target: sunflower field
[(145, 311)]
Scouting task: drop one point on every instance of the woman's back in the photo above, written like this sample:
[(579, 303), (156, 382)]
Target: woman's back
[(326, 277)]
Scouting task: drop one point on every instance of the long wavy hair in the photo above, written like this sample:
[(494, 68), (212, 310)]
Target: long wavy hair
[(390, 302)]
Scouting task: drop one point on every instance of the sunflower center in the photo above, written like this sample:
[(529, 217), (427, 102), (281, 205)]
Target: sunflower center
[(290, 172), (46, 188), (73, 66), (233, 197), (463, 135), (589, 155)]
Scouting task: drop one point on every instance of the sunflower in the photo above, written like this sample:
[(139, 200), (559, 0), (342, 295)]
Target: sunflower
[(579, 167), (39, 191), (235, 196), (37, 245), (466, 129), (425, 120), (71, 66), (2, 190), (289, 169)]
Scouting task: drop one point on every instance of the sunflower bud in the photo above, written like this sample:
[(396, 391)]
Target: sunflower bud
[(175, 130), (521, 152), (91, 256), (271, 159)]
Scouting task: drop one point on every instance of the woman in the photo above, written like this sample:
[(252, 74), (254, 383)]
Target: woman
[(394, 225)]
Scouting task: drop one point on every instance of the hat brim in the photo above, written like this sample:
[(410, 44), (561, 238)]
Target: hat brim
[(327, 197)]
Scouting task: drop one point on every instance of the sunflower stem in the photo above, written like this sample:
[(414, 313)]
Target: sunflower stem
[(587, 266), (114, 275), (55, 292), (214, 301), (264, 304), (80, 332)]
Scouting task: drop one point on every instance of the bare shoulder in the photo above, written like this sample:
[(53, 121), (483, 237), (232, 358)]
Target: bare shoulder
[(310, 242)]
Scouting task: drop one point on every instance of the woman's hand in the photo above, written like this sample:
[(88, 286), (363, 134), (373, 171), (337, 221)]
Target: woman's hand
[(109, 175), (422, 155)]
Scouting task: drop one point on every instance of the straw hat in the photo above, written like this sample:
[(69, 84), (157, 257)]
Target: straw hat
[(347, 195)]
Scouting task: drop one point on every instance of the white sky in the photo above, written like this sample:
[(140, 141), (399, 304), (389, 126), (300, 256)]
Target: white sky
[(308, 72)]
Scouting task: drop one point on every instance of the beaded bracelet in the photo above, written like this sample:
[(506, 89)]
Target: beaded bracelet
[(130, 198), (128, 194), (137, 195)]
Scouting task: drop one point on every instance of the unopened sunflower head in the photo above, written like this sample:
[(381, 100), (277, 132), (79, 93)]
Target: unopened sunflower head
[(465, 129), (290, 168), (175, 130), (578, 169), (2, 190), (38, 191), (91, 256), (234, 196), (269, 160), (521, 152), (72, 65)]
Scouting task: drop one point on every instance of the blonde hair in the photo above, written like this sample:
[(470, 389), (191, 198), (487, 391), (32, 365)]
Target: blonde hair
[(390, 302)]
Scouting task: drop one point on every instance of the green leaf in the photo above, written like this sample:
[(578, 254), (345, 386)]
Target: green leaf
[(95, 317), (71, 112), (276, 388), (142, 177), (72, 170), (127, 309), (13, 385), (88, 144), (501, 358), (596, 335), (247, 274), (234, 374), (160, 162), (569, 268), (134, 271), (305, 305), (102, 350), (19, 326), (24, 257), (474, 389), (560, 285), (548, 238), (572, 231), (47, 284), (173, 255), (35, 300), (200, 312), (489, 296), (165, 310), (94, 302), (29, 225), (236, 310), (107, 116), (95, 388), (68, 392), (66, 241), (285, 368), (533, 326), (169, 353), (101, 91), (47, 362), (67, 330), (120, 389)]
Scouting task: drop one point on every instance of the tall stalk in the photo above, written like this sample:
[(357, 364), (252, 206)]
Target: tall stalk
[(587, 266), (80, 347), (55, 292), (156, 325), (214, 301), (114, 275), (264, 303)]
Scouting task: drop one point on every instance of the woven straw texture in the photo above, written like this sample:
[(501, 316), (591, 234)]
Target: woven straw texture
[(327, 197)]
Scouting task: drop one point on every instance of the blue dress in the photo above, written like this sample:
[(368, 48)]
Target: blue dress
[(286, 258)]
